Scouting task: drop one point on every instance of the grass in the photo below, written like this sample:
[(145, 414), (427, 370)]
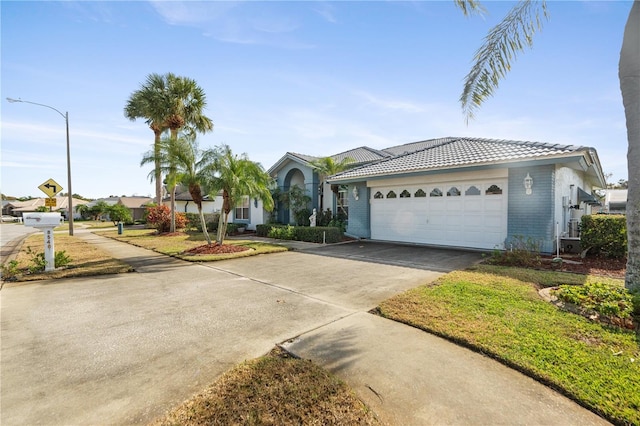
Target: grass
[(497, 311), (86, 259), (275, 389), (176, 245)]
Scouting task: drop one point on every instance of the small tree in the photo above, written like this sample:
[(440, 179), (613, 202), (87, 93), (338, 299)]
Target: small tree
[(119, 213)]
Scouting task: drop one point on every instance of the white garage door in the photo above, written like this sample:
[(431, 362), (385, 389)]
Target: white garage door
[(462, 214)]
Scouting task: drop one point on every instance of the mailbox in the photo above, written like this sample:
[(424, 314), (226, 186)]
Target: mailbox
[(41, 220)]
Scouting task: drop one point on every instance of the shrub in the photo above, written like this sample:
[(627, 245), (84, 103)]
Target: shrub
[(263, 230), (523, 251), (282, 232), (605, 299), (194, 223), (10, 270), (160, 218), (604, 234), (318, 234), (39, 263)]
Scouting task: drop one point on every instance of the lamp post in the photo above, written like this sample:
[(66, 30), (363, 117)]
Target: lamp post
[(66, 119)]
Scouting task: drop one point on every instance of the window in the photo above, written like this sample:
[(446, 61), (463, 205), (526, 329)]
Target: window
[(436, 193), (343, 201), (420, 193), (405, 194), (453, 192), (378, 195), (493, 190), (391, 194), (242, 209), (472, 190)]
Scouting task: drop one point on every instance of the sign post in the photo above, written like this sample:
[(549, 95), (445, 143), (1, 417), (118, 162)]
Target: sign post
[(46, 222)]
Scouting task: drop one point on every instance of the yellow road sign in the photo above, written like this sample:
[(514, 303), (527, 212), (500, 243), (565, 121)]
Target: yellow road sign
[(50, 202), (50, 187)]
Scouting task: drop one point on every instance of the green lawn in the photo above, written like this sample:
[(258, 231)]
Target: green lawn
[(497, 310), (176, 244)]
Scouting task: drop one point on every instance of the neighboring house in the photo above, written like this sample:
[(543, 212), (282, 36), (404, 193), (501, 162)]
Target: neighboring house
[(136, 205), (615, 201), (185, 204), (17, 208), (461, 192), (249, 212)]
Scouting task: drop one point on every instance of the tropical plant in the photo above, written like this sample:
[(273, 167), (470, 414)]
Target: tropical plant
[(151, 103), (169, 102), (500, 48), (326, 167), (193, 169), (236, 177)]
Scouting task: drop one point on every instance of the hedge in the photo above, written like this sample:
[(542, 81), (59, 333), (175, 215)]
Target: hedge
[(316, 234), (605, 234)]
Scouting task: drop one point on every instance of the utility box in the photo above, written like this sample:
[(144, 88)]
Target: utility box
[(41, 220)]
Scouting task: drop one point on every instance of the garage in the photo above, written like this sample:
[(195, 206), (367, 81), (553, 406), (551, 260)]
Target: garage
[(471, 213)]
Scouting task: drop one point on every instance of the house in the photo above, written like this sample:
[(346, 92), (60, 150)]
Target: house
[(296, 170), (17, 208), (460, 192), (249, 212), (136, 205)]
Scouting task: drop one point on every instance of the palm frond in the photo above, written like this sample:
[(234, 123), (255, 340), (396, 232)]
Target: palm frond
[(500, 48), (469, 7)]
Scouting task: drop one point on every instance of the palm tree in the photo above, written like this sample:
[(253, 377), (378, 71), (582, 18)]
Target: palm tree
[(326, 167), (187, 101), (493, 61), (150, 103), (193, 169), (237, 177)]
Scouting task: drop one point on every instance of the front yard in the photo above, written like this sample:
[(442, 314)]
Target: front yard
[(498, 311)]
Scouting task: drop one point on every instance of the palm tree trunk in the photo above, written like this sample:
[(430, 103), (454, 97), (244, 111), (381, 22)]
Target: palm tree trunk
[(173, 209), (224, 217), (203, 222), (158, 172), (629, 74)]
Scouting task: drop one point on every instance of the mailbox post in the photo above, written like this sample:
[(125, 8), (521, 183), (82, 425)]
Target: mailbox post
[(45, 222)]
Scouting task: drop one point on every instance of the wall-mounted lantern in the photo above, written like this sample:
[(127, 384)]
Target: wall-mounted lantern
[(528, 184), (355, 193)]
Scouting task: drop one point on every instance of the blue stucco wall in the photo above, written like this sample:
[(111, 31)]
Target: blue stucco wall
[(359, 213), (532, 216), (311, 183)]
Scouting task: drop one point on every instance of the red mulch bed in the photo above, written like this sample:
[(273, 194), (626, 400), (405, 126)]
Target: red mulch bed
[(216, 249), (593, 265)]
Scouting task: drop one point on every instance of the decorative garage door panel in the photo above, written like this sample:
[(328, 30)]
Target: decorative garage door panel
[(462, 214)]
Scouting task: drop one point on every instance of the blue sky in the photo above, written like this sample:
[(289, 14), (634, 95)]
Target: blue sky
[(311, 77)]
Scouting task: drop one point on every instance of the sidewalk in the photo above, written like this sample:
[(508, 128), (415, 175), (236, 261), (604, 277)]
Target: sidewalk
[(409, 377)]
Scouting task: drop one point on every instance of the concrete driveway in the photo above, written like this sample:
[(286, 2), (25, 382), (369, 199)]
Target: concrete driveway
[(123, 349), (408, 255)]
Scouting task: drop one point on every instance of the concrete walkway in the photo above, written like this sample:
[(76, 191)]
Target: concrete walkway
[(123, 349)]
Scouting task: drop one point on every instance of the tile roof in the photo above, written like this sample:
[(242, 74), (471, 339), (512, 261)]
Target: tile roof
[(362, 154), (416, 146), (456, 152)]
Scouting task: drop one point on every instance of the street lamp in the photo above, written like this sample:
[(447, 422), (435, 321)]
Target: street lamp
[(66, 119)]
